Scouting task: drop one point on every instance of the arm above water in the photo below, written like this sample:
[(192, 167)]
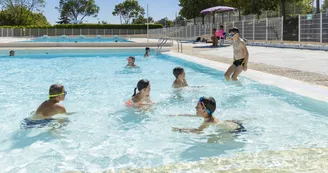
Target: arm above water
[(70, 113), (192, 130), (184, 115)]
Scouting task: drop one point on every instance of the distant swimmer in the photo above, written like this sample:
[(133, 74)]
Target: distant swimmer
[(147, 52), (240, 56), (180, 78), (142, 97), (12, 53), (131, 62), (205, 108)]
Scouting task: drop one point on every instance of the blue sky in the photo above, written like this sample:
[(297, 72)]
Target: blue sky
[(158, 9)]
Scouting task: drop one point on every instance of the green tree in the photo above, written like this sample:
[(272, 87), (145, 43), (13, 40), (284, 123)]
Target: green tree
[(190, 9), (63, 19), (239, 4), (129, 9), (29, 18), (179, 20), (165, 22), (22, 9), (324, 6), (258, 6), (77, 10), (142, 20)]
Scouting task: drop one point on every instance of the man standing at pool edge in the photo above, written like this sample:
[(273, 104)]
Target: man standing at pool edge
[(240, 56)]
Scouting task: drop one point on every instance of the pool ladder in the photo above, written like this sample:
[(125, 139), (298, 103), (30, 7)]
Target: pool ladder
[(161, 42)]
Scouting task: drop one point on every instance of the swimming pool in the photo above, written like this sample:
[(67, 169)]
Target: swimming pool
[(105, 134), (78, 39)]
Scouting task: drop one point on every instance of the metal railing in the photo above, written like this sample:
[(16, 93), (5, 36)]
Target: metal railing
[(303, 28), (38, 32)]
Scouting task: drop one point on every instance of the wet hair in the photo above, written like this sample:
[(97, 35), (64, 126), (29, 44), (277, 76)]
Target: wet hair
[(56, 89), (210, 104), (142, 84), (234, 30), (132, 58), (147, 48), (11, 52), (177, 71), (221, 26), (213, 29)]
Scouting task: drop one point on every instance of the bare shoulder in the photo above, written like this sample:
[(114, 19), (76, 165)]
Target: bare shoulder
[(59, 108), (228, 125)]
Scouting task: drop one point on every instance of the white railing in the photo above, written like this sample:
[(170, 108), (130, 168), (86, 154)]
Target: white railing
[(306, 28), (302, 28), (38, 32)]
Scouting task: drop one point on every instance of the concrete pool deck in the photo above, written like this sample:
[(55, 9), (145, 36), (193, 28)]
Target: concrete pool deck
[(305, 65)]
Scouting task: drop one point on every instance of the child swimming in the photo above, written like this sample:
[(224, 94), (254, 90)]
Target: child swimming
[(142, 97), (147, 52), (131, 61), (48, 108), (180, 78), (205, 108)]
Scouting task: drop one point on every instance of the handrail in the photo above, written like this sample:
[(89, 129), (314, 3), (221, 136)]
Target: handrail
[(179, 42), (164, 40)]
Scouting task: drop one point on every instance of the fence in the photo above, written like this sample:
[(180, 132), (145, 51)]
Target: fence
[(306, 28), (232, 16), (263, 29), (38, 32)]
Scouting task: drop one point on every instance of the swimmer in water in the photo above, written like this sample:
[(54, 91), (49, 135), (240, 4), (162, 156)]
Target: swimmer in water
[(12, 53), (142, 97), (180, 78), (147, 52), (205, 108), (49, 108), (131, 61), (52, 106)]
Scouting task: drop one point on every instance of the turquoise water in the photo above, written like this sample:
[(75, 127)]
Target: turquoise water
[(78, 39), (105, 134)]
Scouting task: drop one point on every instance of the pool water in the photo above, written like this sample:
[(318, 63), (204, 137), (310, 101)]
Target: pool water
[(78, 39), (103, 133)]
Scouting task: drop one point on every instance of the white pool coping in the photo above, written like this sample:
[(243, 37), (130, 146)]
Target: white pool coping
[(316, 92)]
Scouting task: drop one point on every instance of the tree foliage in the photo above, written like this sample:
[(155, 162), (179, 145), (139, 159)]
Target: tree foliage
[(191, 8), (179, 20), (76, 10), (19, 12), (28, 18), (142, 20), (165, 22), (324, 6), (129, 9)]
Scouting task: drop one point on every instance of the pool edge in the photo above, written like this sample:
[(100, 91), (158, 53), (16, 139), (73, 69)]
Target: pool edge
[(316, 92)]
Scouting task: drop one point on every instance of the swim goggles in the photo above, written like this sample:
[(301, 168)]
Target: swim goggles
[(231, 35), (55, 95), (201, 100)]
